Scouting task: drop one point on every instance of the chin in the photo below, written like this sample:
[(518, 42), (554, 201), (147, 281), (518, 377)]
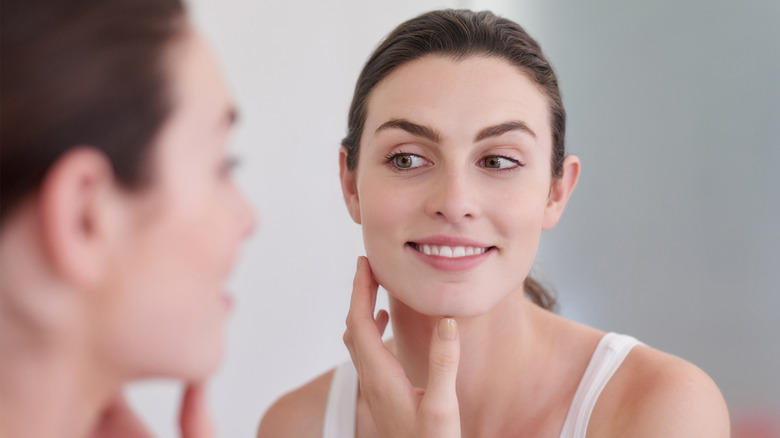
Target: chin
[(453, 302), (201, 360)]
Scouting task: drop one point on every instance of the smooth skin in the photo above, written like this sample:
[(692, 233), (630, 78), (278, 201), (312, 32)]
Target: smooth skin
[(457, 152), (102, 285)]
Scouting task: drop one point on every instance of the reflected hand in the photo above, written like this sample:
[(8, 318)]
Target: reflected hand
[(119, 420), (194, 416), (397, 407)]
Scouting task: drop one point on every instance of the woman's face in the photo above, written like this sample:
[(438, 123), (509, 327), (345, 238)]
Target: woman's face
[(182, 234), (453, 181)]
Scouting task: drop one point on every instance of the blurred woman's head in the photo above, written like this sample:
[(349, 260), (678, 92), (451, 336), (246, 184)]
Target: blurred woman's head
[(120, 219)]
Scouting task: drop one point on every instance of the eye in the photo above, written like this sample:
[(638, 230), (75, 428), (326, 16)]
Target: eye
[(499, 162), (404, 161), (228, 165)]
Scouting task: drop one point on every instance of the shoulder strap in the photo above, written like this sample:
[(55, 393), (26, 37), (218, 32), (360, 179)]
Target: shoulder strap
[(342, 401), (609, 354)]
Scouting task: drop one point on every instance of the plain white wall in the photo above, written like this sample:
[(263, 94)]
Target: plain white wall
[(671, 235)]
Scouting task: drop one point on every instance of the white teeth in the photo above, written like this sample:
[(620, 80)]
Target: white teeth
[(450, 252)]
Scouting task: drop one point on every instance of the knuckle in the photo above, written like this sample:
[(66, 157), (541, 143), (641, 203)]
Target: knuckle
[(443, 361), (347, 338), (350, 322)]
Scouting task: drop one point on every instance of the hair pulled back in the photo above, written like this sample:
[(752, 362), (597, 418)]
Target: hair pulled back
[(82, 73), (461, 34)]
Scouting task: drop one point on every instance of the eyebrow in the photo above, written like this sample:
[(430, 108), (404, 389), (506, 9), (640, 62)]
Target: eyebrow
[(433, 135), (410, 127), (503, 128)]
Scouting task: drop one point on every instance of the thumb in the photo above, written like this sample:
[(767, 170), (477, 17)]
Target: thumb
[(443, 367), (195, 418)]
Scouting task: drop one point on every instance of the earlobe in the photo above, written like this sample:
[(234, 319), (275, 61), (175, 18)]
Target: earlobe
[(72, 203), (561, 191), (349, 187)]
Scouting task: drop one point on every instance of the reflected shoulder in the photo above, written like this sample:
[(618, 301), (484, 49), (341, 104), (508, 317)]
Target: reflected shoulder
[(299, 413), (657, 394)]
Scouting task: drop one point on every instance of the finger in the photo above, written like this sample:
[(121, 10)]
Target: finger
[(381, 320), (119, 420), (362, 330), (364, 289), (194, 417), (444, 357), (375, 364)]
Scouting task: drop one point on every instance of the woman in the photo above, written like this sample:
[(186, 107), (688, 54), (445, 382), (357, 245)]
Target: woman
[(454, 164), (120, 218)]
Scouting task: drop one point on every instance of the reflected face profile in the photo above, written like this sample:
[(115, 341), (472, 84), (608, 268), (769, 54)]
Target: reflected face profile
[(453, 181), (183, 232)]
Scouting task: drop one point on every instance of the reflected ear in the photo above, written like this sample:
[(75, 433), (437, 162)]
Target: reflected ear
[(560, 191), (349, 187), (74, 203)]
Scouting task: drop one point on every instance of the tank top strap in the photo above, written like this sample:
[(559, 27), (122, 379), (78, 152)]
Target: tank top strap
[(609, 354), (342, 401)]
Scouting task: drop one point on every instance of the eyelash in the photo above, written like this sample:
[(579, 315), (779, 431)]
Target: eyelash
[(389, 159), (518, 163)]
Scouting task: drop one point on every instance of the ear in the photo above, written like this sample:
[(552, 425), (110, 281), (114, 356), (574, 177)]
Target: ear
[(349, 187), (75, 218), (560, 191)]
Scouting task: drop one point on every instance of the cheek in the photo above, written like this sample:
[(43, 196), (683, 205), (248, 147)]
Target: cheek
[(386, 217), (163, 326), (204, 235)]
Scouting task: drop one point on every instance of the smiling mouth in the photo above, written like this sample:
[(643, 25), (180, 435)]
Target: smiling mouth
[(452, 252)]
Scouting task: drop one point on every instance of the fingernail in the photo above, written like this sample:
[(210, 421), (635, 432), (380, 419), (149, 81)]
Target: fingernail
[(448, 328), (359, 261)]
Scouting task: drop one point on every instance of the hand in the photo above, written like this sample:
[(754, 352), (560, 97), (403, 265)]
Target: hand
[(398, 408), (119, 421), (194, 416)]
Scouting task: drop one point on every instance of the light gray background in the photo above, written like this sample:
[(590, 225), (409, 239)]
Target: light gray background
[(671, 236)]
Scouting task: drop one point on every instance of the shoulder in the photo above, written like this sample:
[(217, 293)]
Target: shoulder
[(656, 394), (299, 413)]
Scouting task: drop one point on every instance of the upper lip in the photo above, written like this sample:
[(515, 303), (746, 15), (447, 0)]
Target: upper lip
[(450, 241)]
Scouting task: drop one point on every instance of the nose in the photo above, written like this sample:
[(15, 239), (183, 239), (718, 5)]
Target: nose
[(453, 196)]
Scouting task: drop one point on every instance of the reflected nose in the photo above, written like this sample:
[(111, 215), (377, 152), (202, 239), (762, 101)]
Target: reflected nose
[(453, 197)]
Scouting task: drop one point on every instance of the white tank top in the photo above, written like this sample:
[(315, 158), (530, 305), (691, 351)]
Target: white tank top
[(606, 359)]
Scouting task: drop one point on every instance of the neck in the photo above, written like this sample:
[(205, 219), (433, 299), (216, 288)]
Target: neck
[(504, 355), (49, 385)]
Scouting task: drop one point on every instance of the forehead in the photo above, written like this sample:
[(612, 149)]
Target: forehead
[(459, 96), (195, 77), (200, 120)]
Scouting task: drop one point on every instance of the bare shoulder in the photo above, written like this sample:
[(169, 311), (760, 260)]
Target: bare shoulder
[(299, 413), (656, 394)]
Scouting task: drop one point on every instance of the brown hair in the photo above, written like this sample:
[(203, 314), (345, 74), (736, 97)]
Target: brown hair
[(82, 73), (460, 34)]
